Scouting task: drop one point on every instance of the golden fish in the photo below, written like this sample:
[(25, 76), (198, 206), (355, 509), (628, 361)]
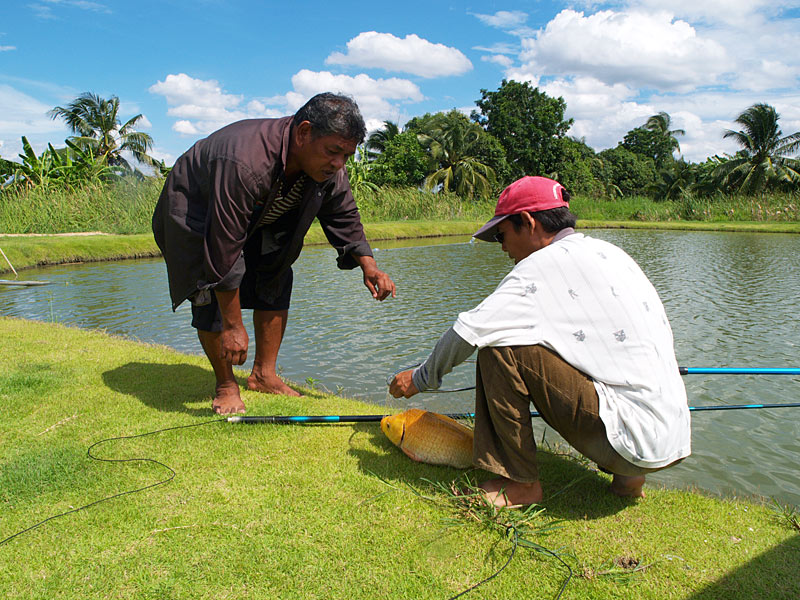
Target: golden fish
[(430, 437)]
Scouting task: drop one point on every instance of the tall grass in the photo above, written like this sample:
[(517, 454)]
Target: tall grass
[(773, 208), (398, 204), (126, 207), (123, 207)]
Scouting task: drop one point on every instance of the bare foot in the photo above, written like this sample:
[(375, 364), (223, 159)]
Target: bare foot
[(270, 384), (513, 494), (227, 400), (628, 487)]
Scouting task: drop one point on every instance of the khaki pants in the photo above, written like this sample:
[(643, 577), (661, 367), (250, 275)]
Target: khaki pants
[(508, 379)]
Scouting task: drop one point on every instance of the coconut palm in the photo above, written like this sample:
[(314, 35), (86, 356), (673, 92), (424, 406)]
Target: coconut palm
[(450, 141), (97, 126), (762, 162), (661, 123), (675, 182), (377, 140)]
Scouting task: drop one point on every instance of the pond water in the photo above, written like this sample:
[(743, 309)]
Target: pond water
[(732, 300)]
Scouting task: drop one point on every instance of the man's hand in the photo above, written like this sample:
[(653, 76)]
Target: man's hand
[(403, 385), (233, 339), (378, 283), (233, 345)]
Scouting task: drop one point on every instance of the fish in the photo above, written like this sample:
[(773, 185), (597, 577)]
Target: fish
[(429, 437)]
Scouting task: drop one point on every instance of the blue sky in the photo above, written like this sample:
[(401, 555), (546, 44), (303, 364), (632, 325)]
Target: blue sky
[(192, 67)]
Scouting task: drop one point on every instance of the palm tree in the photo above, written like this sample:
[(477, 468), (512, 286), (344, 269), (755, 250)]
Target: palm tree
[(675, 182), (377, 140), (763, 159), (96, 123), (450, 141), (660, 124)]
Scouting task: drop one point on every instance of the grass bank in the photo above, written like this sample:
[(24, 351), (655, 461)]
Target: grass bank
[(312, 511)]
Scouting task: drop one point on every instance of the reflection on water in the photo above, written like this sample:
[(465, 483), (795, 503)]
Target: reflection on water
[(732, 300)]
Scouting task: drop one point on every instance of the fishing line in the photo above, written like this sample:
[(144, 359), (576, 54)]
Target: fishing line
[(439, 391), (93, 457)]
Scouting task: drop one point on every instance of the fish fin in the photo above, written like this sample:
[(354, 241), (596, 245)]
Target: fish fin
[(411, 455)]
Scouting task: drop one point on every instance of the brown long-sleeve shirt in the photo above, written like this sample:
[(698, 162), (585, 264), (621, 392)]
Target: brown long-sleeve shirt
[(210, 201)]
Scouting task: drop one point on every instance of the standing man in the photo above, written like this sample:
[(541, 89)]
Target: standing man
[(577, 329), (231, 220)]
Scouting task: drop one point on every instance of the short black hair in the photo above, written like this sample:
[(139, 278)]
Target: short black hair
[(553, 219), (333, 114)]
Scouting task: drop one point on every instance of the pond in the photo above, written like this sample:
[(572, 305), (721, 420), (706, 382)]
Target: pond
[(732, 300)]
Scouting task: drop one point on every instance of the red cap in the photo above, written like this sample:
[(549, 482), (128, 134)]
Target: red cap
[(529, 193)]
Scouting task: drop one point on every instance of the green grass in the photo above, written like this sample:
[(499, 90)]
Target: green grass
[(127, 207), (773, 208), (124, 208), (312, 511)]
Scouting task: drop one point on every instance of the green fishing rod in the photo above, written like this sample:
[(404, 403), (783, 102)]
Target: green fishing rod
[(306, 420)]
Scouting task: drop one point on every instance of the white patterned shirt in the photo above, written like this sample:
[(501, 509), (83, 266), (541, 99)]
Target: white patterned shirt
[(589, 301)]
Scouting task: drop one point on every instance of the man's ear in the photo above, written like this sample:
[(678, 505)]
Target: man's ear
[(302, 132), (528, 220)]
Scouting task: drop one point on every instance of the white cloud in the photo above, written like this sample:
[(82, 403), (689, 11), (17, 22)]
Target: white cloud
[(504, 19), (182, 90), (498, 59), (731, 12), (411, 54), (20, 112), (767, 74), (376, 98), (499, 48), (7, 48), (648, 50), (602, 113), (203, 106), (80, 4)]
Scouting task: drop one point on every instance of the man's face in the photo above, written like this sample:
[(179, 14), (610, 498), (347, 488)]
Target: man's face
[(517, 244), (320, 158)]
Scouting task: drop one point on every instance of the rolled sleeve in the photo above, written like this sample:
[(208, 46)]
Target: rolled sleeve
[(450, 351)]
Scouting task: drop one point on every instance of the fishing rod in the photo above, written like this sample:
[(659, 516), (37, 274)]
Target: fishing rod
[(681, 370), (304, 420), (737, 371)]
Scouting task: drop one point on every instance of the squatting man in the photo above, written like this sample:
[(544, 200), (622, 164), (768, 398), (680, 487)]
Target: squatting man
[(577, 329), (231, 220)]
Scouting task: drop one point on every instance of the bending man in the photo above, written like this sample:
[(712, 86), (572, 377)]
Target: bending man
[(231, 220), (577, 329)]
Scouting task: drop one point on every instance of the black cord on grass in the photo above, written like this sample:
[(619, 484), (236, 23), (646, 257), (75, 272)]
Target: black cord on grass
[(512, 531), (141, 489)]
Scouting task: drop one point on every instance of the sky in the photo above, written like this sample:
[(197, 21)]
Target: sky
[(191, 67)]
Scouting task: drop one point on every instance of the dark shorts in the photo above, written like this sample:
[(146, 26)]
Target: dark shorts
[(253, 292)]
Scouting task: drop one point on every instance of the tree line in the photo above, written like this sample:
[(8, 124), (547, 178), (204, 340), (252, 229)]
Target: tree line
[(516, 130), (519, 130)]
